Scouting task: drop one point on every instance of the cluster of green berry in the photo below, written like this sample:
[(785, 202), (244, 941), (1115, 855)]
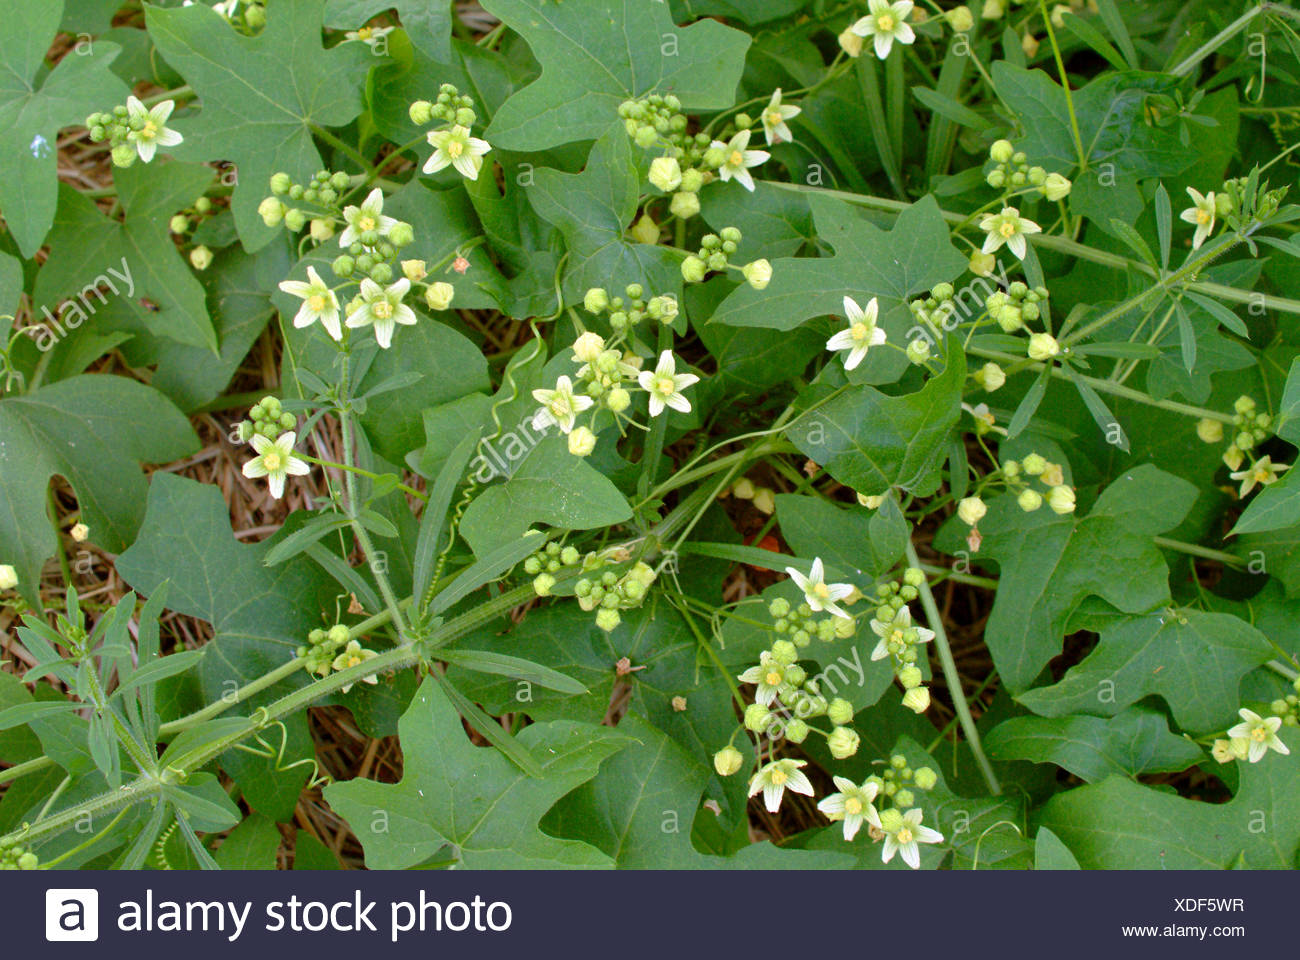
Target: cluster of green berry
[(611, 592), (714, 256), (898, 780), (801, 624), (625, 314), (1057, 494), (451, 106), (1011, 173), (1016, 305), (657, 122), (1253, 427), (543, 565), (322, 191), (266, 418), (17, 857), (1288, 707), (322, 647)]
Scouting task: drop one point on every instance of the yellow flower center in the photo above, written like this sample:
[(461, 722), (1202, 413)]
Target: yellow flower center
[(773, 117), (149, 130), (736, 159), (366, 223), (1203, 216), (778, 777), (885, 23), (896, 636), (773, 679), (904, 836), (364, 33), (455, 148), (559, 407), (316, 303), (353, 660), (853, 805), (1008, 229), (859, 331), (271, 460), (383, 309), (822, 590), (1259, 734), (1263, 476), (665, 386)]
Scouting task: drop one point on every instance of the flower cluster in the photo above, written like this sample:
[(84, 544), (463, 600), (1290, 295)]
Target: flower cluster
[(786, 698), (1011, 173), (899, 824), (1018, 305), (1253, 427), (1254, 736), (134, 130), (714, 256), (333, 650), (1018, 477), (269, 430), (453, 146), (322, 192), (626, 314), (899, 638), (17, 857), (611, 593)]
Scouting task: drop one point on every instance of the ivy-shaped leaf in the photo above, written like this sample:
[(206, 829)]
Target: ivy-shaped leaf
[(1122, 825), (598, 53), (1050, 563), (34, 105), (260, 95), (1134, 742), (87, 429), (592, 211), (1193, 660), (470, 799), (640, 806), (871, 441), (892, 265), (549, 486), (94, 258)]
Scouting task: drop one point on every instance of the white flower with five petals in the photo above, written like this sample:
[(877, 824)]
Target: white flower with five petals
[(774, 118), (560, 406), (382, 307), (884, 23), (275, 461), (778, 777), (149, 129), (1260, 733), (904, 837), (895, 632), (820, 594), (367, 218), (665, 385), (454, 147), (862, 334), (738, 158), (318, 303), (853, 805)]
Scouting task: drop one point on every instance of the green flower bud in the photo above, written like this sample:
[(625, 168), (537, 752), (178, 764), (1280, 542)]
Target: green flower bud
[(693, 268), (608, 619), (1001, 151), (796, 730), (910, 677), (569, 556), (618, 400), (925, 778), (756, 717), (533, 566), (201, 257), (758, 273), (840, 712), (401, 234), (780, 607), (917, 699), (646, 136), (381, 273), (439, 295), (542, 585), (466, 117), (596, 300), (843, 742), (666, 173), (692, 180), (685, 204), (728, 760)]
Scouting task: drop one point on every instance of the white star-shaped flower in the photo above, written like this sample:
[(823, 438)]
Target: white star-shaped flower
[(738, 159), (1260, 732), (853, 805), (1202, 214), (370, 36), (354, 655), (778, 777), (383, 307), (774, 118), (862, 334), (275, 461), (560, 406), (1263, 471), (665, 385), (454, 147), (1007, 227), (768, 675), (896, 632), (367, 218), (820, 594), (884, 23), (905, 837), (318, 303), (149, 129)]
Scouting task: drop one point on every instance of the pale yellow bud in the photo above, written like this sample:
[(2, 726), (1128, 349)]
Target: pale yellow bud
[(439, 295), (581, 442), (1061, 499), (322, 229), (917, 699), (960, 18), (79, 532), (971, 510), (1042, 346), (415, 270), (1210, 431), (8, 577), (851, 43)]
